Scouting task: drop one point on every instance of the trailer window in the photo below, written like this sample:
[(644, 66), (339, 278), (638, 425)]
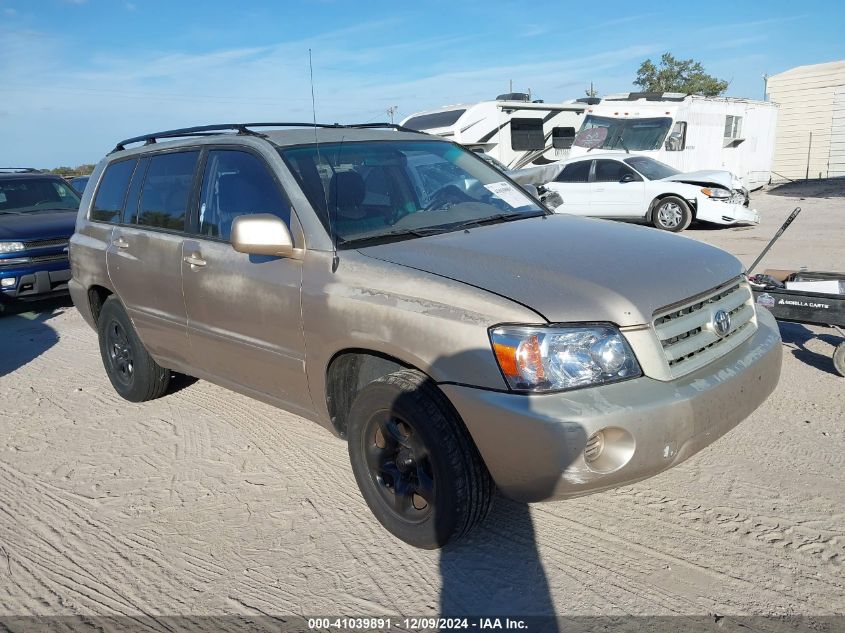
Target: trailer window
[(434, 120), (527, 134), (563, 137), (635, 135), (677, 139), (733, 130)]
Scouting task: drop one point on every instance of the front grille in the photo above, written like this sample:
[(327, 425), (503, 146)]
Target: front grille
[(688, 336), (62, 241), (35, 259)]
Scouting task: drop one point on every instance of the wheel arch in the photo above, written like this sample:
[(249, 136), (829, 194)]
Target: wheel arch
[(350, 370), (670, 194), (97, 296)]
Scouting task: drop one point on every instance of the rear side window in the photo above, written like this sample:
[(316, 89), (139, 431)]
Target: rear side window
[(575, 172), (164, 196), (108, 204)]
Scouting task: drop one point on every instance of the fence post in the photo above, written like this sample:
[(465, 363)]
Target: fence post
[(809, 147)]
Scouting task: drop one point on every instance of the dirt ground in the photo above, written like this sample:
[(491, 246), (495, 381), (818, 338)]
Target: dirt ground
[(206, 502)]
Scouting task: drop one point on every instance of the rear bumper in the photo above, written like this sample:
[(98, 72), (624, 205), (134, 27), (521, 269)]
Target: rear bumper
[(36, 284), (534, 445)]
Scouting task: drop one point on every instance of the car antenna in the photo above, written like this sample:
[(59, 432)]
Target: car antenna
[(332, 237)]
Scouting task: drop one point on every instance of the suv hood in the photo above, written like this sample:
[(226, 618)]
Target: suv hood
[(37, 226), (705, 177), (570, 269)]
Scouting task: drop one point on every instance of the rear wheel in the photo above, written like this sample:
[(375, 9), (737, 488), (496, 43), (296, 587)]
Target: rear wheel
[(132, 371), (839, 359), (415, 463), (671, 214)]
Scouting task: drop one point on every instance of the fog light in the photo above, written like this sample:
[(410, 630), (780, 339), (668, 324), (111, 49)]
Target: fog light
[(609, 449), (594, 447), (7, 282)]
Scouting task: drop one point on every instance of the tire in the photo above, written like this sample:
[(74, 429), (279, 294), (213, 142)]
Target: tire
[(671, 214), (405, 435), (839, 359), (132, 371)]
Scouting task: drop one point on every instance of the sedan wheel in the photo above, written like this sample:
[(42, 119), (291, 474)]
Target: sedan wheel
[(672, 214)]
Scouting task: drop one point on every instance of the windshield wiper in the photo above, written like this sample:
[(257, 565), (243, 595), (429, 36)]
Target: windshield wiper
[(622, 143), (6, 212), (494, 219)]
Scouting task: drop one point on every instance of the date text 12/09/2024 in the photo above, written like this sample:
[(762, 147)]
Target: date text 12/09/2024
[(417, 624)]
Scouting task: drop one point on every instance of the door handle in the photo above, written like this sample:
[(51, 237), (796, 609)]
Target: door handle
[(121, 243), (194, 259)]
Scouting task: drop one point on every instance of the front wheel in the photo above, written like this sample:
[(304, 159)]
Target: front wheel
[(671, 214), (415, 463)]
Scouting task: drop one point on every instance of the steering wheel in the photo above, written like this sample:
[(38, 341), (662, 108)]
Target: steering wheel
[(450, 194)]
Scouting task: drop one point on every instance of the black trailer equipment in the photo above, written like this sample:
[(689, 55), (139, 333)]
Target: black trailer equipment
[(801, 306)]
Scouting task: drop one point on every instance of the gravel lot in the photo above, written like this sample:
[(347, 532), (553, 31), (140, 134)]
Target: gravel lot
[(206, 502)]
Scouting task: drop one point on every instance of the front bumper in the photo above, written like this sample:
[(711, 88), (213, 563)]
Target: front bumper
[(37, 284), (534, 445), (718, 212)]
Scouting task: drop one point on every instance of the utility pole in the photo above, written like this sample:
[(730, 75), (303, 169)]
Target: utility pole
[(511, 86), (391, 111)]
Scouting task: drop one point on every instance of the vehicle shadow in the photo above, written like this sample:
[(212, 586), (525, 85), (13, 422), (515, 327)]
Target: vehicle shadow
[(814, 188), (796, 336), (496, 571), (25, 331)]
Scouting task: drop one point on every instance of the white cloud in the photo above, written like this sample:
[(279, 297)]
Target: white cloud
[(119, 95)]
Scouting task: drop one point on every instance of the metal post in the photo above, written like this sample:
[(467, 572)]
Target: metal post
[(809, 147)]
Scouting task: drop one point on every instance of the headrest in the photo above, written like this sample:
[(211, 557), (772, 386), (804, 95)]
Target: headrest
[(346, 189)]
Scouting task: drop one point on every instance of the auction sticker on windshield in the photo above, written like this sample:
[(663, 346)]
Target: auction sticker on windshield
[(507, 192)]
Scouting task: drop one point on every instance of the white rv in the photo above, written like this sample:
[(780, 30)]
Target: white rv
[(688, 132), (512, 129)]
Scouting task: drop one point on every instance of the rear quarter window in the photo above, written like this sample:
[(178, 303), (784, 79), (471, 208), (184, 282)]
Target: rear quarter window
[(108, 203)]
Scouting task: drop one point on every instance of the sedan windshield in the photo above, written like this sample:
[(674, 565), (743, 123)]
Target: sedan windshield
[(650, 168), (383, 190), (31, 195), (635, 135)]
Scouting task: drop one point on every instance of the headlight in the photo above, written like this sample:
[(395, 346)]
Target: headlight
[(718, 194), (11, 247), (555, 358)]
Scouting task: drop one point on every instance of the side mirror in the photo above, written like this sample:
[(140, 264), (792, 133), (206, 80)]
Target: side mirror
[(627, 178), (261, 234)]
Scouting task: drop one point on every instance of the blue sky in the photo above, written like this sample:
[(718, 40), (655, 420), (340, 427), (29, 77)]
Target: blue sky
[(77, 75)]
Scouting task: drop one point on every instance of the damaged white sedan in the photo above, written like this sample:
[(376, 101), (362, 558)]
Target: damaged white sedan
[(625, 186)]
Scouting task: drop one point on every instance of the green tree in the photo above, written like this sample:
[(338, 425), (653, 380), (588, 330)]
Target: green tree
[(675, 75)]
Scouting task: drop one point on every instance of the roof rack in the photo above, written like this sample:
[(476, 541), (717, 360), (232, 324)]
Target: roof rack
[(19, 170), (241, 128)]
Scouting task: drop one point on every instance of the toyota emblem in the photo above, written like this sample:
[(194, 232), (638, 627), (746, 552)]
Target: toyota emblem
[(721, 322)]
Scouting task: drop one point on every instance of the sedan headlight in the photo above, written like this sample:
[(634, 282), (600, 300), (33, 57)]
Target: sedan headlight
[(536, 358), (716, 193), (11, 247)]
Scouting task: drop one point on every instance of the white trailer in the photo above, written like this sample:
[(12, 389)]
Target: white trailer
[(513, 129), (688, 132)]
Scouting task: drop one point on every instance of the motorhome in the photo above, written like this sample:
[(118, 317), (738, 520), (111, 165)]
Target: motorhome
[(513, 129), (688, 132)]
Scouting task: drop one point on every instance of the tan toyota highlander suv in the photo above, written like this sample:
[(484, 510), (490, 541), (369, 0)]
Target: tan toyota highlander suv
[(400, 291)]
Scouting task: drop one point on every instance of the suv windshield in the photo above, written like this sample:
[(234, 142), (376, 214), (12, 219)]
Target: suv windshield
[(387, 189), (599, 132), (650, 168), (31, 195)]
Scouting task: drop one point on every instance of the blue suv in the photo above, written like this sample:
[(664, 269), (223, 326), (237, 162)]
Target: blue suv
[(37, 218)]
